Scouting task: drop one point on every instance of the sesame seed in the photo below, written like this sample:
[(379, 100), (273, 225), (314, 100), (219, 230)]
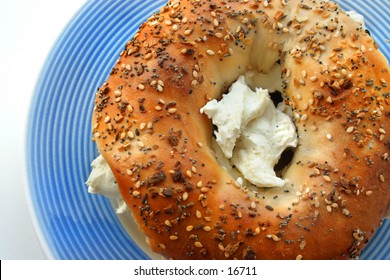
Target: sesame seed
[(216, 23), (210, 52), (199, 184), (136, 193), (198, 214), (207, 228), (162, 246), (173, 237), (189, 174), (273, 237), (188, 32), (337, 75), (326, 178), (350, 129), (141, 87), (185, 196), (345, 212), (302, 245), (189, 228), (198, 244), (172, 110), (140, 144), (204, 190), (158, 108), (368, 193), (382, 178), (168, 223)]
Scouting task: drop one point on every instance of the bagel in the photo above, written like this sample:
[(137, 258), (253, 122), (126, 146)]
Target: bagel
[(148, 126)]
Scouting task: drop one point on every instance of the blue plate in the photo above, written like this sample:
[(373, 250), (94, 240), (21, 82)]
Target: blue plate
[(71, 223)]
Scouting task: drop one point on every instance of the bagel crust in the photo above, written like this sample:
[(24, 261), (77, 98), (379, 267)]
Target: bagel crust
[(148, 127)]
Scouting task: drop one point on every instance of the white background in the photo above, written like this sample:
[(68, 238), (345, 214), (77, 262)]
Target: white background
[(28, 30)]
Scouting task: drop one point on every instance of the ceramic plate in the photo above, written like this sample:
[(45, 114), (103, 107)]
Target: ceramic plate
[(71, 223)]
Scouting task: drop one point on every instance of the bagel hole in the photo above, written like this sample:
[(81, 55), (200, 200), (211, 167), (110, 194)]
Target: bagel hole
[(284, 162), (276, 97)]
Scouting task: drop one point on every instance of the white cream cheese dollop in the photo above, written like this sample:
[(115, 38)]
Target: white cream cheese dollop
[(357, 17), (102, 181), (252, 133)]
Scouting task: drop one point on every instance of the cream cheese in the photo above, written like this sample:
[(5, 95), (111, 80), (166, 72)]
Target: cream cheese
[(357, 17), (252, 134), (102, 181)]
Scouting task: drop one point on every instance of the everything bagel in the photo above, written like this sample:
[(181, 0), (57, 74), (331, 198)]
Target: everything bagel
[(148, 126)]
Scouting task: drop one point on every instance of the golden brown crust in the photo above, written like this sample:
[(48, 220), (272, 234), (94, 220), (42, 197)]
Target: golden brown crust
[(147, 125)]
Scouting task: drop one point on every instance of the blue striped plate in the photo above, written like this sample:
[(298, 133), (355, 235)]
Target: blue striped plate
[(71, 223)]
